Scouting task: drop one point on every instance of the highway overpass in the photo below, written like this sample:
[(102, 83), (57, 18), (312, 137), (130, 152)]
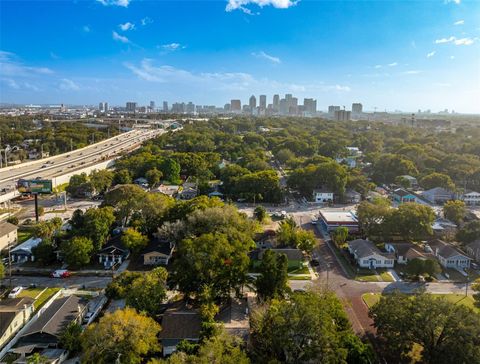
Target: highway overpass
[(59, 168)]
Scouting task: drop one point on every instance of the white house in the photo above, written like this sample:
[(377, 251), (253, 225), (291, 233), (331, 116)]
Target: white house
[(8, 234), (322, 195), (367, 255), (404, 252), (472, 198), (14, 313), (23, 252), (448, 256), (474, 250)]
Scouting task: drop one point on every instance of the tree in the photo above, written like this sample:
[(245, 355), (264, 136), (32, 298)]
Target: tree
[(77, 251), (415, 267), (411, 221), (273, 279), (134, 240), (121, 284), (469, 232), (308, 328), (44, 252), (171, 170), (260, 213), (37, 358), (123, 335), (77, 181), (432, 267), (46, 229), (70, 337), (286, 232), (147, 292), (101, 179), (476, 295), (2, 270), (41, 210), (305, 240), (371, 214), (340, 235), (219, 260), (454, 210), (153, 177), (440, 331), (435, 179), (125, 199), (219, 349), (95, 225), (122, 177), (389, 166), (403, 182)]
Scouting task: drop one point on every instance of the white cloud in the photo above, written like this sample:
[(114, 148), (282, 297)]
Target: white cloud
[(122, 3), (172, 47), (11, 83), (146, 21), (126, 26), (412, 72), (120, 38), (452, 57), (266, 56), (68, 85), (11, 66), (378, 66), (86, 29), (224, 81), (393, 64), (240, 4), (456, 41), (431, 54), (453, 1), (460, 22)]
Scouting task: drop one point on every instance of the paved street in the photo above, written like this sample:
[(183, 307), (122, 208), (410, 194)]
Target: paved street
[(70, 282)]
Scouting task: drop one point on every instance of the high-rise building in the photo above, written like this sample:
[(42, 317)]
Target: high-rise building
[(190, 108), (103, 106), (235, 105), (357, 108), (342, 115), (283, 107), (227, 107), (276, 102), (263, 102), (165, 106), (252, 102), (178, 108), (152, 105), (131, 106), (332, 109), (310, 106)]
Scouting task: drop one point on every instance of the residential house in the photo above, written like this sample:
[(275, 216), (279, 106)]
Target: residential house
[(168, 190), (367, 255), (412, 180), (472, 198), (449, 256), (8, 235), (158, 253), (474, 250), (113, 253), (401, 195), (352, 196), (438, 195), (23, 252), (323, 195), (335, 218), (179, 325), (14, 313), (189, 191), (46, 330), (141, 181), (404, 252), (216, 194), (443, 227)]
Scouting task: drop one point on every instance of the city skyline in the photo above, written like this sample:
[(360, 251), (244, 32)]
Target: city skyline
[(400, 55)]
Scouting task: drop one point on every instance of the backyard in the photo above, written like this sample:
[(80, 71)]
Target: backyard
[(40, 295)]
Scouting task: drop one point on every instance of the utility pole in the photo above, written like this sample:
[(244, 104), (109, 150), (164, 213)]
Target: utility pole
[(466, 286), (71, 145)]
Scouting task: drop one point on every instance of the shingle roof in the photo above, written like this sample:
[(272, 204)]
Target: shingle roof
[(7, 228), (365, 248), (445, 250), (9, 308), (57, 316), (181, 325)]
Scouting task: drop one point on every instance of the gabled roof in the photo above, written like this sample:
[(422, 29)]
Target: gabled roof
[(7, 228), (27, 246), (9, 308), (403, 192), (57, 316), (114, 247), (445, 250), (181, 325), (365, 248), (159, 246)]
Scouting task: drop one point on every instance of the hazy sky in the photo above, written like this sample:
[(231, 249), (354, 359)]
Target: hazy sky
[(387, 54)]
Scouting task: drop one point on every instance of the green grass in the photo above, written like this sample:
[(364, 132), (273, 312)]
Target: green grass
[(302, 270), (343, 261), (299, 278), (49, 292), (367, 277), (386, 277), (293, 266), (24, 235), (30, 292), (372, 298)]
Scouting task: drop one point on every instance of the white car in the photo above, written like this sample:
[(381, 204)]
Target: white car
[(15, 292)]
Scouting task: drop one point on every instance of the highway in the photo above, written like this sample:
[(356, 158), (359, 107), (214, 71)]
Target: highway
[(49, 168)]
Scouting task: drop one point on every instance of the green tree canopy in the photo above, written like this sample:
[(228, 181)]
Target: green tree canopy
[(134, 240), (273, 279), (77, 252), (455, 211)]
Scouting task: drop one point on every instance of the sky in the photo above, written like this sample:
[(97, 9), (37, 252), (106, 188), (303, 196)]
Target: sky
[(389, 55)]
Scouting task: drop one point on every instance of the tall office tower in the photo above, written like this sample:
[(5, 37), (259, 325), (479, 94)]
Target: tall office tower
[(165, 106), (288, 99), (235, 105), (276, 102), (226, 107), (101, 107), (357, 108), (310, 106), (131, 106), (332, 109), (190, 108), (282, 107), (252, 102), (342, 115), (105, 107), (152, 105), (263, 102)]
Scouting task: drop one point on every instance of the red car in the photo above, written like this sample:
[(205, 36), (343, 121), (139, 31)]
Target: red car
[(60, 273)]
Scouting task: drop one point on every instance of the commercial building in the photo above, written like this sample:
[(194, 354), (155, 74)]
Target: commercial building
[(357, 108), (235, 105), (165, 106), (152, 105), (276, 102), (332, 219), (332, 109), (8, 235), (131, 106), (342, 115), (310, 106), (252, 102), (263, 102)]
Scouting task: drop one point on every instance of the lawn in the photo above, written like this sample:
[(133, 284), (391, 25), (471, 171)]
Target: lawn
[(371, 277), (386, 277), (302, 270), (372, 298), (30, 292), (299, 278), (49, 292), (24, 235), (294, 266)]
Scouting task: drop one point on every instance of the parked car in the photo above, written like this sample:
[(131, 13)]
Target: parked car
[(314, 221), (87, 317), (60, 273), (15, 292)]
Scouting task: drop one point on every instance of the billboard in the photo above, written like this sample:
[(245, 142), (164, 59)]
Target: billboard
[(35, 186)]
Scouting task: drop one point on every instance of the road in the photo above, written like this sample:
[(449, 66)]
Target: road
[(70, 282), (49, 168)]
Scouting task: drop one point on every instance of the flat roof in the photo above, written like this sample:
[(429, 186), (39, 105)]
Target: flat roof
[(338, 216)]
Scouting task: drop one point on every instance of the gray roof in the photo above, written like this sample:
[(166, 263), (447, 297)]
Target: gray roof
[(475, 245), (7, 228), (9, 308), (445, 250), (57, 316), (181, 325), (365, 248), (27, 246)]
